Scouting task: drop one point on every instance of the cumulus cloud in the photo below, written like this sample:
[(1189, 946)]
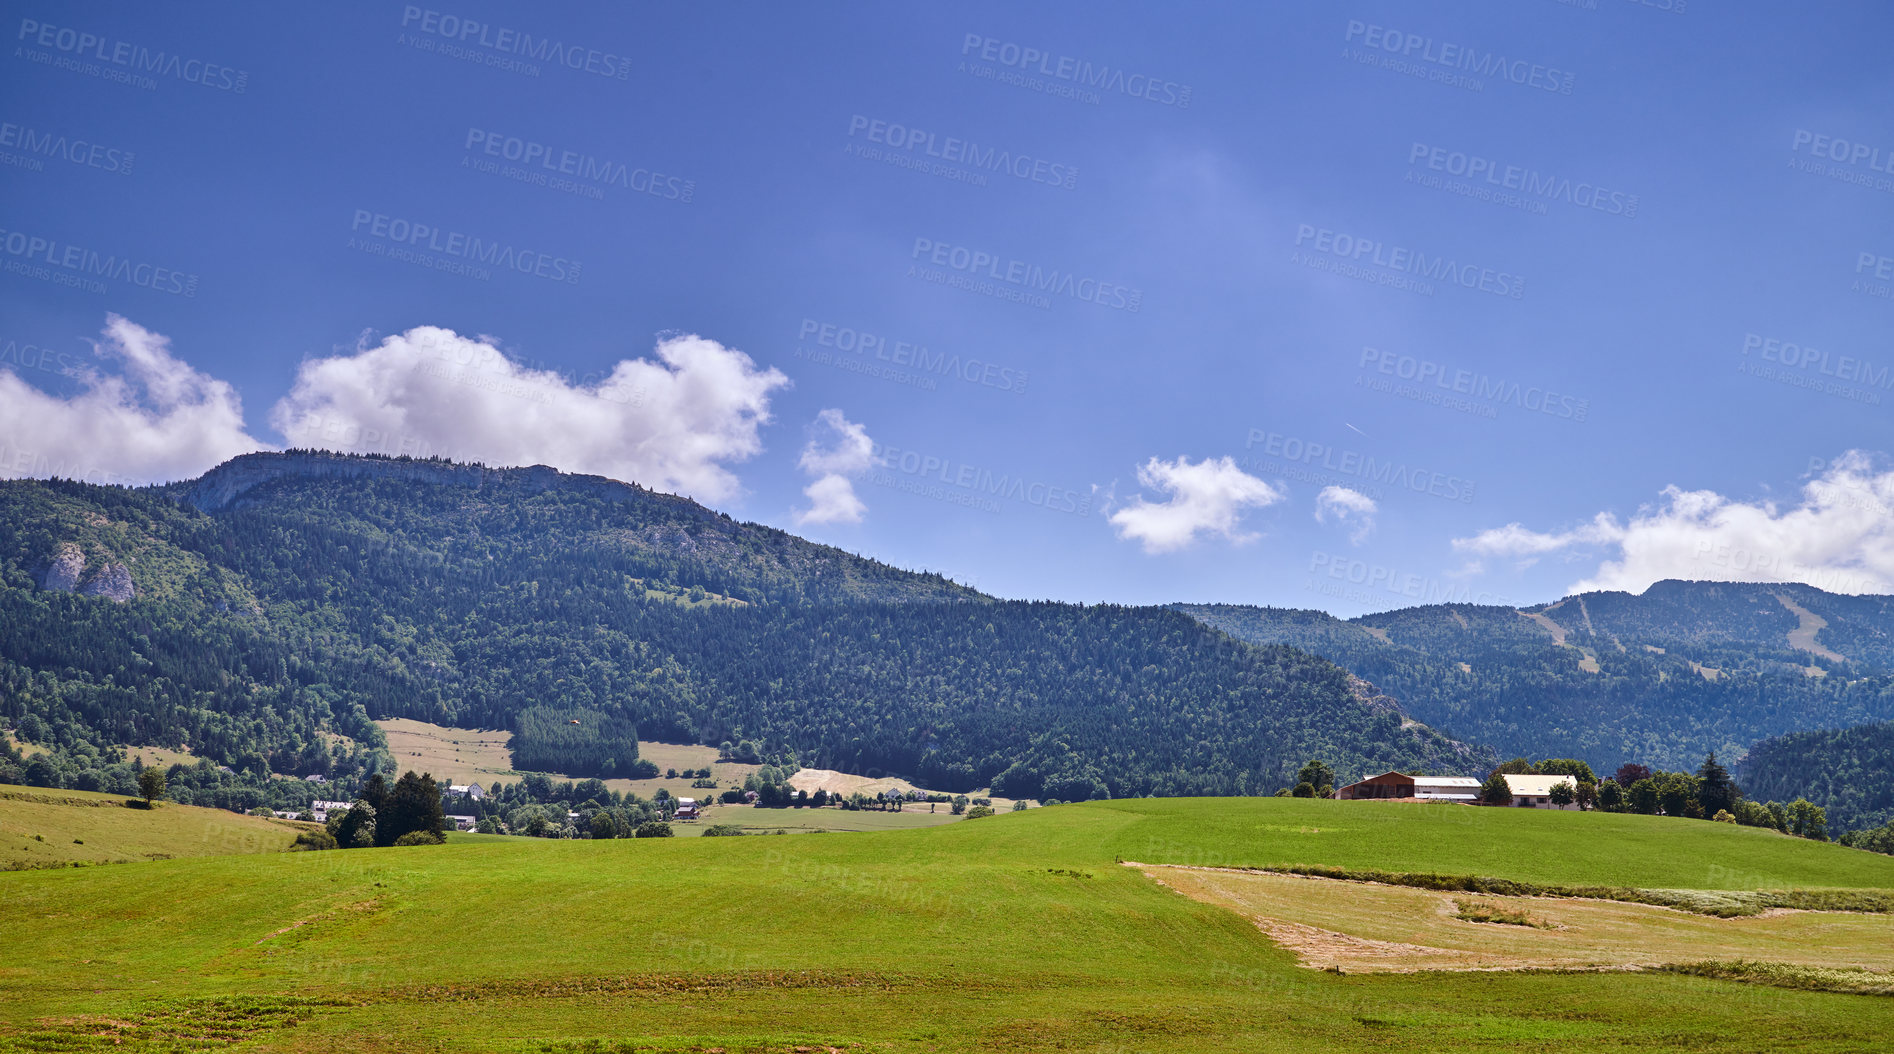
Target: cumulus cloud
[(672, 424), (1349, 508), (152, 420), (1205, 498), (1839, 536), (837, 449)]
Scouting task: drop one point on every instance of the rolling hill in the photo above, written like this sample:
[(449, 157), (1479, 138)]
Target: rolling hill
[(266, 615)]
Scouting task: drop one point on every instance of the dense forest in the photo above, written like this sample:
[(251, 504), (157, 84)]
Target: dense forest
[(1849, 772), (1664, 678), (285, 602)]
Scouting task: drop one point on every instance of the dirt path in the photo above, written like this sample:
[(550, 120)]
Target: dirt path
[(1802, 638), (1557, 631)]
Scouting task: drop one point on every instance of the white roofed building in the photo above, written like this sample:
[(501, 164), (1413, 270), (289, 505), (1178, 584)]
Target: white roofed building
[(1535, 792), (1447, 788)]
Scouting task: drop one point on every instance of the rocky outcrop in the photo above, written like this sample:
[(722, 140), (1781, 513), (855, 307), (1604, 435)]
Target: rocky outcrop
[(62, 574), (65, 573), (113, 582)]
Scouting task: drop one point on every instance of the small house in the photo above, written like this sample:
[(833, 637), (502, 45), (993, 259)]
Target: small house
[(472, 791), (462, 822), (1535, 792), (687, 808)]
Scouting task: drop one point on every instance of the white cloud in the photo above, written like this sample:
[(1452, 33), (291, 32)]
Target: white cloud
[(673, 424), (1350, 508), (837, 449), (155, 421), (1838, 537), (1207, 497)]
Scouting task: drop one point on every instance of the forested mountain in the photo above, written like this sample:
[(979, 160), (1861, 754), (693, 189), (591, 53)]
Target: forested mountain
[(264, 615), (1849, 772), (1661, 679)]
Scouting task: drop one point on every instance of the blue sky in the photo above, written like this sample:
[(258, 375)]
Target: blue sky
[(1458, 289)]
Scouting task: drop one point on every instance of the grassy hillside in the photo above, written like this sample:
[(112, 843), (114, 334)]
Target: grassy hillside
[(1019, 932), (54, 828)]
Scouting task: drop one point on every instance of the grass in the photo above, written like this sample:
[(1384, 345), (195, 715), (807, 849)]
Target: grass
[(1500, 914), (1014, 933), (1786, 975), (61, 828), (1547, 846)]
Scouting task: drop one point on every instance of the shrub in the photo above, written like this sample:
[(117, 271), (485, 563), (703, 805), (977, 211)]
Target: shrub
[(312, 841), (654, 829), (1723, 816), (979, 811), (419, 838), (722, 830)]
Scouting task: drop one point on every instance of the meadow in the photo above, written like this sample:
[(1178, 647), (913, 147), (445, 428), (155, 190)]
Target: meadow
[(1018, 932), (58, 828)]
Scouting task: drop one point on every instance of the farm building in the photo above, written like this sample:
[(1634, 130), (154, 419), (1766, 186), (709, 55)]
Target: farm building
[(687, 808), (473, 791), (462, 822), (321, 809), (1401, 785), (1536, 791)]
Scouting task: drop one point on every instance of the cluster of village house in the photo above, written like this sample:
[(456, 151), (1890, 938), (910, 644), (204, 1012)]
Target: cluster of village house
[(1527, 791), (320, 810)]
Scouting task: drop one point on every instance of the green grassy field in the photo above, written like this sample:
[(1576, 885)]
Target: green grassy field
[(1020, 932), (57, 828)]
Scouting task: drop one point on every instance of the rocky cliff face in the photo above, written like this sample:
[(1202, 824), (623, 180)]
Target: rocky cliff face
[(113, 582), (65, 573)]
